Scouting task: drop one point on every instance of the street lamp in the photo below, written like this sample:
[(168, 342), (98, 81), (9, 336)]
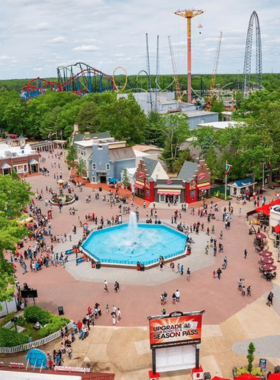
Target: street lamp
[(238, 79)]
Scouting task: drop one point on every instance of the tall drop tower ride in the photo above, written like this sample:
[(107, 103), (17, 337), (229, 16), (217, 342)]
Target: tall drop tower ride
[(189, 14)]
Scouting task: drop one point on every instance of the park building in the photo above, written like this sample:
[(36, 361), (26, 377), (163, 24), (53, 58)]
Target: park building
[(165, 102), (22, 159)]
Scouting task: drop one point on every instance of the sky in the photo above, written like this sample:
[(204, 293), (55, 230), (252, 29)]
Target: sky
[(37, 36)]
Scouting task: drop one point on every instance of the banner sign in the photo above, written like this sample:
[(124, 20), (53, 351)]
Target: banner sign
[(175, 330)]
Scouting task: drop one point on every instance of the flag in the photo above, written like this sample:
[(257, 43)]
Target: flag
[(228, 169)]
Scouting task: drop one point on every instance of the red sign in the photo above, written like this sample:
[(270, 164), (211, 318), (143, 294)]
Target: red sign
[(201, 176), (171, 331), (169, 182), (141, 175)]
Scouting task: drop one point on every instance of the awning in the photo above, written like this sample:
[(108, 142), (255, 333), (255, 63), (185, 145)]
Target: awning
[(5, 166), (169, 192), (33, 162), (139, 185), (204, 186), (277, 229)]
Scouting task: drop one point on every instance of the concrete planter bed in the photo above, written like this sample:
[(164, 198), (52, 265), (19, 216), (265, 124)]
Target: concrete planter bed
[(65, 200)]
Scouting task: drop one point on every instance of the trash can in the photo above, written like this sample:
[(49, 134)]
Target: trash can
[(60, 310), (142, 267), (98, 265), (100, 188)]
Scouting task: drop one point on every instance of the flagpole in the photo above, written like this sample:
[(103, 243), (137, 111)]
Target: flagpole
[(226, 184)]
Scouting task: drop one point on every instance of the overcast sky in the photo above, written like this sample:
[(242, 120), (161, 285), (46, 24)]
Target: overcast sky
[(37, 36)]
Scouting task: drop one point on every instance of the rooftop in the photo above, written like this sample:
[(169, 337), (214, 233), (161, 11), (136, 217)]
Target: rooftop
[(7, 151), (188, 171), (118, 154), (222, 124)]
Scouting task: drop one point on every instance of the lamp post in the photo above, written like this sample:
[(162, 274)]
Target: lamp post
[(238, 79)]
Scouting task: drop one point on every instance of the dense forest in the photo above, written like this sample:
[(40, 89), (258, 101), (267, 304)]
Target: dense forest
[(200, 83)]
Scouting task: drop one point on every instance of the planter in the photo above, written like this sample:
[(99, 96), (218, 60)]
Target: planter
[(258, 369), (65, 200)]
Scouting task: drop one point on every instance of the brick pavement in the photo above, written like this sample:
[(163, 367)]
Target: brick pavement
[(77, 288)]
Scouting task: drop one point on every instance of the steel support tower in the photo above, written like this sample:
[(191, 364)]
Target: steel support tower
[(189, 14), (248, 53)]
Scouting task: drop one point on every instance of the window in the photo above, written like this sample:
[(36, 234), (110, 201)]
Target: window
[(93, 179), (202, 121), (100, 147), (94, 166), (107, 166), (162, 198)]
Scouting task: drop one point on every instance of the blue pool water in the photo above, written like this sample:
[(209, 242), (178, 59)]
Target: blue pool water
[(121, 245)]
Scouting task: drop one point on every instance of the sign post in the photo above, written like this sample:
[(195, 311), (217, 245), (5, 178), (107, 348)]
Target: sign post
[(178, 329)]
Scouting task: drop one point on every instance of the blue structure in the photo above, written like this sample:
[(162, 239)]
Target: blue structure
[(37, 358), (107, 162)]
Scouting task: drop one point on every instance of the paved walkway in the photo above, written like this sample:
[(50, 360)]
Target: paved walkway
[(229, 317)]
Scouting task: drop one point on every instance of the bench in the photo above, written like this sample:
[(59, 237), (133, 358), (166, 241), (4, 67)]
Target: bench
[(16, 365), (71, 369)]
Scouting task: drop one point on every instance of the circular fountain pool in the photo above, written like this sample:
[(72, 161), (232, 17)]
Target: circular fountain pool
[(128, 244)]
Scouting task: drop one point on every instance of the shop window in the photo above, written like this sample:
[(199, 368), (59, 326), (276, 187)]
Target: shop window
[(93, 179), (107, 166), (162, 198), (202, 121), (94, 166)]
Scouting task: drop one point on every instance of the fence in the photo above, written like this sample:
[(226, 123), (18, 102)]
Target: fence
[(220, 189), (36, 343)]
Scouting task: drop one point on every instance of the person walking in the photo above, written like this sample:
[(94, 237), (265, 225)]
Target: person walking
[(270, 299), (119, 315), (177, 294), (182, 270), (188, 274), (219, 271), (245, 253)]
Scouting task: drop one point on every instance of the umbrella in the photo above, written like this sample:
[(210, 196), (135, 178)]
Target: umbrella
[(223, 378), (267, 260), (269, 267), (260, 235), (266, 253), (60, 181)]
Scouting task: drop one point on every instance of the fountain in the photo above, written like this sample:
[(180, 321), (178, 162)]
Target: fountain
[(128, 244)]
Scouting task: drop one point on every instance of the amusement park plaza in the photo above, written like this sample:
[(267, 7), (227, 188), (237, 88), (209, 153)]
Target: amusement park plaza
[(230, 321)]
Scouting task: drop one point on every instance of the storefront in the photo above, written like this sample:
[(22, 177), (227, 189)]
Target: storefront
[(170, 191), (197, 180), (144, 184), (243, 186)]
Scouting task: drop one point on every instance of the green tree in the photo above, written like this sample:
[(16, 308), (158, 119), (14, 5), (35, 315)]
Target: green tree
[(175, 129), (14, 195), (88, 118), (154, 134), (71, 156), (81, 168), (218, 106), (250, 356), (184, 155), (125, 179)]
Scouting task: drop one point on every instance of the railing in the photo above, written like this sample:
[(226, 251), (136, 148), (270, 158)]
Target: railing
[(36, 343)]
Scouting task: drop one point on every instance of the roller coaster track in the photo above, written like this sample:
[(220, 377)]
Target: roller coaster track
[(85, 81)]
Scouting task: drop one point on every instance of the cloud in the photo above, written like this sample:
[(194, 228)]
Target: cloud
[(58, 40), (40, 27), (86, 48), (38, 69), (4, 57), (118, 55)]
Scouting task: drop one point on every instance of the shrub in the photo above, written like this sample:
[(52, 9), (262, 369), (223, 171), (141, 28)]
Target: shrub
[(250, 356), (7, 319), (35, 314), (257, 371), (53, 326), (20, 320), (11, 338), (241, 371)]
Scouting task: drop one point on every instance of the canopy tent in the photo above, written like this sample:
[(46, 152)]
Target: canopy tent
[(265, 209), (113, 180), (246, 376)]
